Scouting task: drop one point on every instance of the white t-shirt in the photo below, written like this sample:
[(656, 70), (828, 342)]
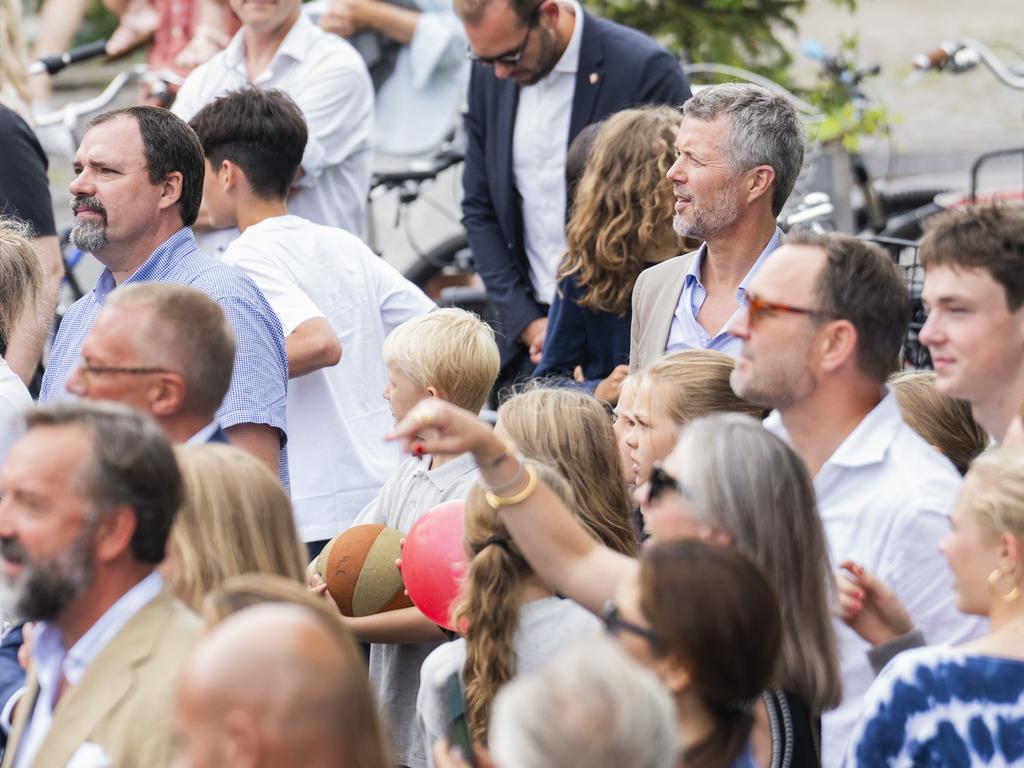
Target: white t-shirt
[(14, 401), (328, 80), (337, 417), (884, 498)]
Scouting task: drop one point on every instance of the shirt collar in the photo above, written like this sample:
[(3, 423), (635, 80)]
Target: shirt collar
[(155, 268), (295, 45), (203, 435), (693, 273), (867, 444), (449, 473), (48, 649), (570, 60)]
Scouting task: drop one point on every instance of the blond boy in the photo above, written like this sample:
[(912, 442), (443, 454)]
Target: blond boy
[(450, 354)]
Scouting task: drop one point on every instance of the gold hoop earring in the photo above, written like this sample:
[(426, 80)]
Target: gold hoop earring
[(1010, 596)]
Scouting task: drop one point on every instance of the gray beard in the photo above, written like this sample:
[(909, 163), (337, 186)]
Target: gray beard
[(89, 236), (46, 589)]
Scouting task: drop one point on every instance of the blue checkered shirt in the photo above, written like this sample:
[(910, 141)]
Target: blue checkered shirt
[(259, 383)]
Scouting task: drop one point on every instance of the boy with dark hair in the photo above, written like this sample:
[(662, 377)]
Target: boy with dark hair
[(330, 291), (974, 294)]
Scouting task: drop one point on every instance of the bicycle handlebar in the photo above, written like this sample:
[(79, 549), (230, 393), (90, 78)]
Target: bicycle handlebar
[(53, 64), (441, 162), (962, 55)]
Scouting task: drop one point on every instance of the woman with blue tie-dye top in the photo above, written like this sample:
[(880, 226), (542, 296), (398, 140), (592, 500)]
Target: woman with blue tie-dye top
[(963, 706)]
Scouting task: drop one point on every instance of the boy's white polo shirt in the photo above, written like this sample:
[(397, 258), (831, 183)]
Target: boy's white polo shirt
[(337, 417)]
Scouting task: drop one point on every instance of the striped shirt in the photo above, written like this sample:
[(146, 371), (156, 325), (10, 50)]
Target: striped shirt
[(259, 383)]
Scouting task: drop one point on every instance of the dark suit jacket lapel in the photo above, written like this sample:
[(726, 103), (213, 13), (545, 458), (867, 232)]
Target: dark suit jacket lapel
[(504, 116), (589, 77)]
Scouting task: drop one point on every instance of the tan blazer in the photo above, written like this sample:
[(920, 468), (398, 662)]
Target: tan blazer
[(655, 297), (123, 703)]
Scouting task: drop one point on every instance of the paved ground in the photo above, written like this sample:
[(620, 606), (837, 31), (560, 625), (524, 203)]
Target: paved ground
[(944, 119)]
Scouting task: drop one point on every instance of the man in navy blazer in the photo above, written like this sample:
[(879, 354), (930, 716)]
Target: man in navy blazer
[(515, 45), (163, 348)]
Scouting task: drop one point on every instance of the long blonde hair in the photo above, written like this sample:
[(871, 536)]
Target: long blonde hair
[(620, 214), (236, 519), (999, 489), (573, 432), (488, 608)]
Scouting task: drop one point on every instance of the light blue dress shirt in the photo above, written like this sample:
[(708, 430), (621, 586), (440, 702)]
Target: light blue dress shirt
[(686, 332), (53, 660), (259, 383)]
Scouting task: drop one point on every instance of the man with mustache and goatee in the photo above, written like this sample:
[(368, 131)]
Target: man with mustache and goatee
[(137, 191), (89, 495)]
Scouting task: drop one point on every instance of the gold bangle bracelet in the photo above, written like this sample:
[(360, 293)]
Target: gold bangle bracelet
[(494, 501)]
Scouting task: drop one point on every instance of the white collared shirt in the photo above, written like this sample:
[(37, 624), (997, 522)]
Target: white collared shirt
[(686, 332), (328, 80), (540, 142), (884, 498), (337, 418), (53, 661)]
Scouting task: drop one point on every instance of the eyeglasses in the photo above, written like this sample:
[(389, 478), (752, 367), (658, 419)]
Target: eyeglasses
[(661, 481), (513, 56), (88, 370), (614, 623), (758, 308)]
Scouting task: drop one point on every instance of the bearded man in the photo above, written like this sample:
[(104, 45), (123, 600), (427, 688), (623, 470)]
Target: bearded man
[(738, 152), (136, 193), (89, 494), (542, 71)]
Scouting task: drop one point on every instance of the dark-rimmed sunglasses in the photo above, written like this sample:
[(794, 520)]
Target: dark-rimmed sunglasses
[(512, 57)]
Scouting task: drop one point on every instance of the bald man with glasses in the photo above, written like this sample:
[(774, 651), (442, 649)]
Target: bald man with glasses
[(541, 73)]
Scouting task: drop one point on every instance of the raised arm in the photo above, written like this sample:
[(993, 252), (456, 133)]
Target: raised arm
[(554, 543)]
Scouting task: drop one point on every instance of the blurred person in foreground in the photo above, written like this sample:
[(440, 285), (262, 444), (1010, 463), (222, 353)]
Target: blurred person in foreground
[(89, 495), (166, 349), (962, 705), (277, 686)]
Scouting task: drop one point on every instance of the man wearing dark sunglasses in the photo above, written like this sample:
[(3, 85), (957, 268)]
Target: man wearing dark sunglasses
[(542, 72)]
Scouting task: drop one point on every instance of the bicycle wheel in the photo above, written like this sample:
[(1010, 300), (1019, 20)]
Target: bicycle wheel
[(450, 253)]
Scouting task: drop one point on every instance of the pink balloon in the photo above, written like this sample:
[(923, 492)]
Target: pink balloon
[(434, 562)]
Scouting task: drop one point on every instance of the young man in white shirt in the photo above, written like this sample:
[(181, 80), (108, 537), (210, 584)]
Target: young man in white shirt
[(974, 295), (331, 292), (278, 47), (824, 321)]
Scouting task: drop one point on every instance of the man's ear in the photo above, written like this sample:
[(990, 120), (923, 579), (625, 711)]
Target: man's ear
[(760, 180), (168, 395), (114, 533), (838, 344), (171, 187)]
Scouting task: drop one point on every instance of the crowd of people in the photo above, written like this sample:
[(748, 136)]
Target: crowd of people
[(715, 525)]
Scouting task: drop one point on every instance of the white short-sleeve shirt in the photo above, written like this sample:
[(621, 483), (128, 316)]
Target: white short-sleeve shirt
[(328, 80), (884, 497), (337, 416)]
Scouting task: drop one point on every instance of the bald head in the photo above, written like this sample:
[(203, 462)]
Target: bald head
[(275, 685)]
